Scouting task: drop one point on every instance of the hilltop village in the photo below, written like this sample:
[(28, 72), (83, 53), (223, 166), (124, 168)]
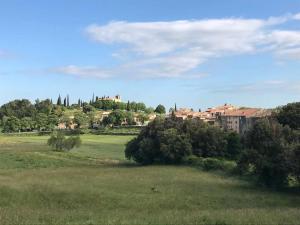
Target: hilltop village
[(99, 112), (228, 117)]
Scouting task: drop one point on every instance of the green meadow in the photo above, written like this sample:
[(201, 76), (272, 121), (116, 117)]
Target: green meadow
[(95, 184)]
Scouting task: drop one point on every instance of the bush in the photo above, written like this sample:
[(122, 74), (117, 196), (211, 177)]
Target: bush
[(213, 164), (194, 161), (59, 142)]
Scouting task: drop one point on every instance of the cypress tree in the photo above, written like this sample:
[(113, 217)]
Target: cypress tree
[(128, 106), (93, 99), (175, 108), (65, 102), (59, 100)]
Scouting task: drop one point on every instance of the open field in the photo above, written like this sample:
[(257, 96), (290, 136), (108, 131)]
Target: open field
[(96, 185)]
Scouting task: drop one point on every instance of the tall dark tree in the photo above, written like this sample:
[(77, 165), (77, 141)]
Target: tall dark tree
[(175, 108), (59, 100), (93, 98), (128, 106), (65, 102)]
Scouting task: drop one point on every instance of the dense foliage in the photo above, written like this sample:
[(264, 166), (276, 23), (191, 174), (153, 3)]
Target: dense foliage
[(118, 117), (269, 151), (269, 147), (160, 109), (23, 116), (290, 115), (171, 140)]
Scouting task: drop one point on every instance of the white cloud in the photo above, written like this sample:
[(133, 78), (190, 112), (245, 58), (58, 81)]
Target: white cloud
[(177, 48), (155, 38), (296, 16)]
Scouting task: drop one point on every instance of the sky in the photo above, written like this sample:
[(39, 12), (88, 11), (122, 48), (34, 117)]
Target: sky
[(194, 53)]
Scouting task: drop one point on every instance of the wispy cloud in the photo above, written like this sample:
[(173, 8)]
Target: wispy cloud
[(264, 87), (178, 48)]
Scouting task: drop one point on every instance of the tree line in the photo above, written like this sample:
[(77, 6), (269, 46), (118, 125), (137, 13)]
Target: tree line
[(269, 151), (23, 116)]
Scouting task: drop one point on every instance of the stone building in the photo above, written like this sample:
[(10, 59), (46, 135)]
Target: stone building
[(241, 120)]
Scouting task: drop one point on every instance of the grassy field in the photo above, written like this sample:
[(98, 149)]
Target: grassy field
[(96, 185)]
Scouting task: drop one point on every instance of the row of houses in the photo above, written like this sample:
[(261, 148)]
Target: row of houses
[(228, 117)]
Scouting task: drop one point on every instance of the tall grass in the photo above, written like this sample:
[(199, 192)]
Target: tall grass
[(96, 185)]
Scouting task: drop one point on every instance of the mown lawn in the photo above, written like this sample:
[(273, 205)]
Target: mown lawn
[(96, 185)]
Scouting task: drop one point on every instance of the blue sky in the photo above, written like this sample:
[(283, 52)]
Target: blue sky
[(195, 53)]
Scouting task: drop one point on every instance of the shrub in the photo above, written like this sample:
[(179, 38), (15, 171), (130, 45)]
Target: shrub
[(213, 164), (59, 142), (194, 161)]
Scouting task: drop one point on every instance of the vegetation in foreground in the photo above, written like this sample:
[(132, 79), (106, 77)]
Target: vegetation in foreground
[(269, 150), (94, 184)]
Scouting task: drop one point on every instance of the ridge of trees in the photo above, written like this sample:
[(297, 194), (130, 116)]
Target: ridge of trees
[(24, 116)]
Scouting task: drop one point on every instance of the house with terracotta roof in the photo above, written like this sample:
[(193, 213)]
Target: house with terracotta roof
[(210, 115), (226, 116), (242, 119)]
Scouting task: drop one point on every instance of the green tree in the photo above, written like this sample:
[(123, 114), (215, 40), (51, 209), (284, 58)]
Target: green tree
[(88, 108), (81, 120), (52, 121), (44, 106), (289, 115), (160, 109), (17, 108), (267, 153), (59, 100), (41, 120), (11, 124), (234, 145), (27, 124), (174, 146), (115, 118), (129, 117)]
